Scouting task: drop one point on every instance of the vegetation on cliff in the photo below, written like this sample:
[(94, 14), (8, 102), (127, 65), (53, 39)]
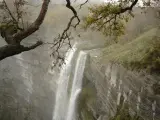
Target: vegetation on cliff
[(140, 53), (123, 113)]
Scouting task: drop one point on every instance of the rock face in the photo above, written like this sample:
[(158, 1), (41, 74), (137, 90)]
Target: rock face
[(112, 92), (27, 89), (115, 92)]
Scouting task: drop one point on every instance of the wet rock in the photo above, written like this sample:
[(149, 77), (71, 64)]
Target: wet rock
[(113, 82)]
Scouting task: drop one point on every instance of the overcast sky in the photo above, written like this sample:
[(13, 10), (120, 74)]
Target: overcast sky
[(77, 1), (64, 1)]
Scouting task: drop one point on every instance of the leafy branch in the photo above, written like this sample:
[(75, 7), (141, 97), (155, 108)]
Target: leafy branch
[(110, 18)]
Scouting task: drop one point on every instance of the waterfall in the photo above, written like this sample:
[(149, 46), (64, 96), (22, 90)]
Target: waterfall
[(77, 84), (28, 82), (61, 94), (65, 103)]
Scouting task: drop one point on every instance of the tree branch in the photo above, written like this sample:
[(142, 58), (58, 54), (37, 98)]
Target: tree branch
[(9, 12), (83, 4), (68, 5), (64, 38), (34, 26), (10, 50), (128, 8), (109, 18)]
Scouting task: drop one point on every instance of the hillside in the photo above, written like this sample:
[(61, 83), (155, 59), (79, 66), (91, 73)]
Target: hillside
[(140, 53)]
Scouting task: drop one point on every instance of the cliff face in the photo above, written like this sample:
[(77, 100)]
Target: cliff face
[(112, 92), (27, 89), (121, 80)]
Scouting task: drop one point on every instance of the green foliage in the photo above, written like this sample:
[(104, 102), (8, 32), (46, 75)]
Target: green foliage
[(156, 88), (151, 59), (140, 53), (123, 113), (87, 97), (107, 19), (8, 26)]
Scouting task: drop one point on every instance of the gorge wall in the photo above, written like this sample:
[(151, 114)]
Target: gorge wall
[(112, 92)]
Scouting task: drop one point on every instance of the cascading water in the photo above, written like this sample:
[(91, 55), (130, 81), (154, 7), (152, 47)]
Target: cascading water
[(25, 74), (65, 105), (77, 84), (61, 94)]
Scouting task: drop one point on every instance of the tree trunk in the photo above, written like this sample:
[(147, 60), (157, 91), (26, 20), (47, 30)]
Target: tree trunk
[(13, 46)]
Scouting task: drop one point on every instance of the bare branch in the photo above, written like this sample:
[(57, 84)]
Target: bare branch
[(128, 8), (10, 50), (68, 5), (64, 39), (83, 4), (10, 13), (34, 26)]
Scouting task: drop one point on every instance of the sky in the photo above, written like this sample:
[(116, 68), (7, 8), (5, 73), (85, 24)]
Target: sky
[(64, 1), (78, 1), (82, 1)]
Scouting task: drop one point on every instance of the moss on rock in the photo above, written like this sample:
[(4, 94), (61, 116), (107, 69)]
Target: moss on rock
[(123, 113), (87, 98)]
